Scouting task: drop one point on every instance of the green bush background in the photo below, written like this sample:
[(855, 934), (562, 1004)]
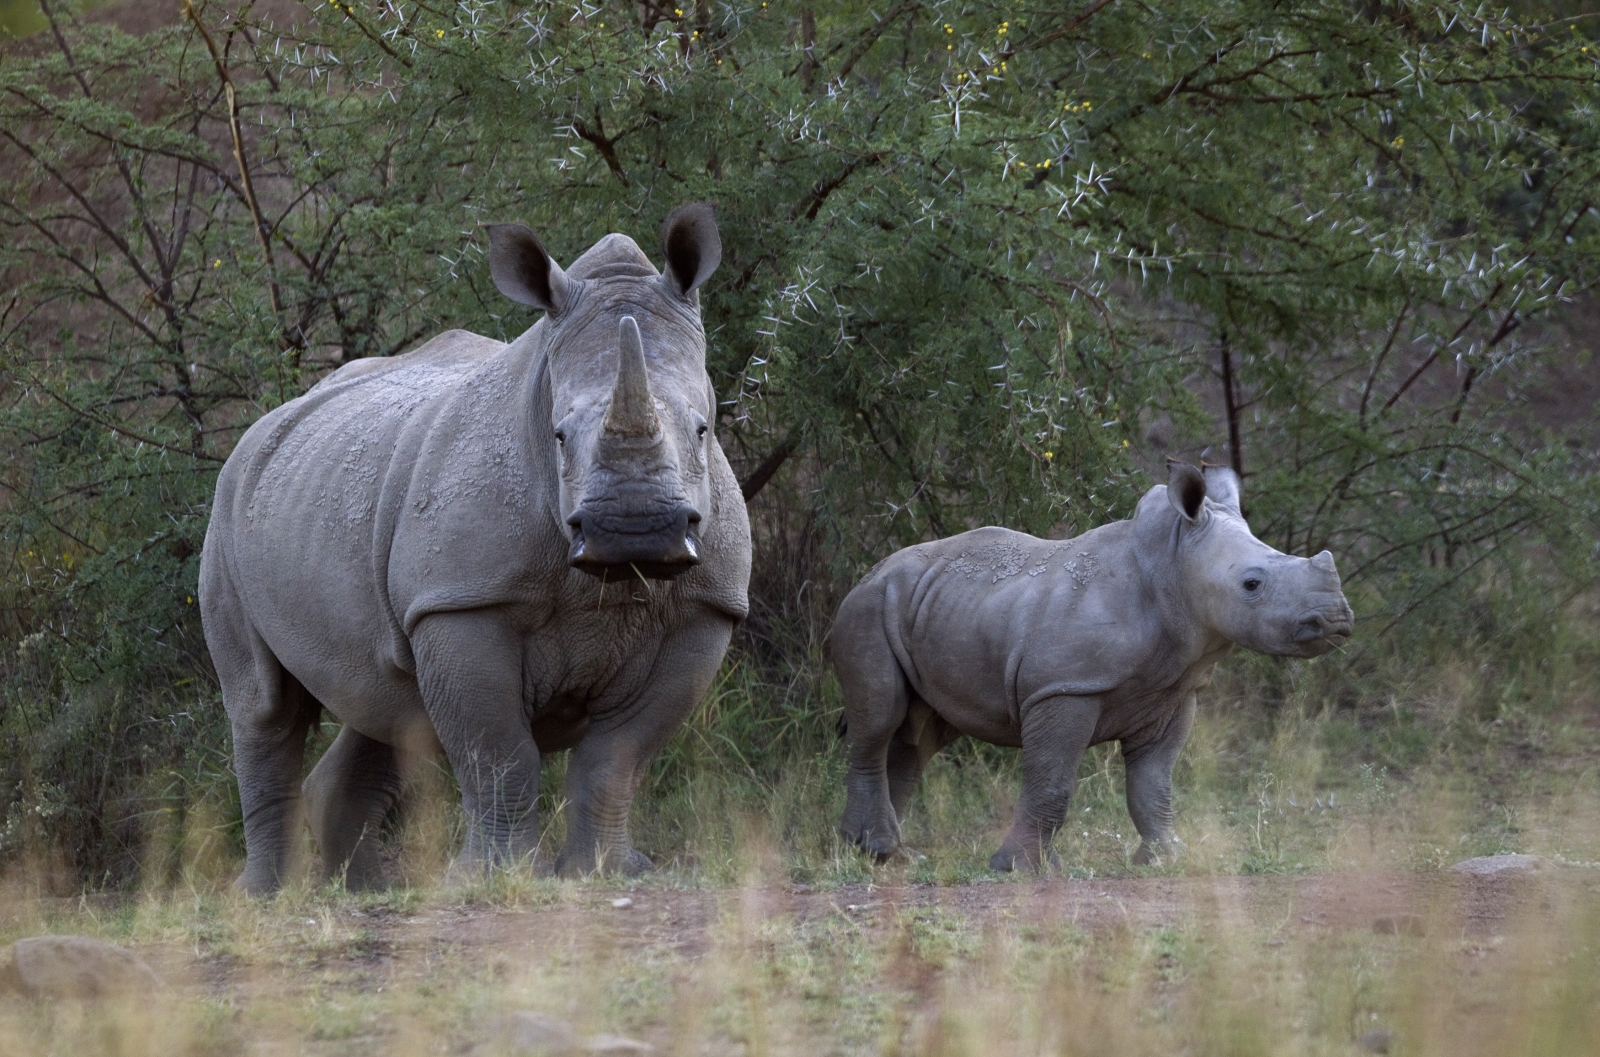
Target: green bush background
[(984, 263)]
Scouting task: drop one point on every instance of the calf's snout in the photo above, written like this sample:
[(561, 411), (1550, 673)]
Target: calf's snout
[(1325, 627)]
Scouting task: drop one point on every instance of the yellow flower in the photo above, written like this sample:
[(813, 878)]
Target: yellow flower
[(1049, 454), (189, 600), (947, 28), (602, 25), (949, 47), (678, 11), (1398, 141), (1146, 55), (438, 33), (1124, 444), (217, 263)]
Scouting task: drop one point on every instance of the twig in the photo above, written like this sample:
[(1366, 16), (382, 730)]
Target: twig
[(245, 182), (763, 473)]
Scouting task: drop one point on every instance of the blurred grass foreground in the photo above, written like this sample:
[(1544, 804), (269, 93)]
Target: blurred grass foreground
[(982, 264)]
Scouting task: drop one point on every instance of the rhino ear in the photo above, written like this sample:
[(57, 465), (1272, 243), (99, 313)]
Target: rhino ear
[(693, 249), (523, 271), (1186, 489), (1222, 486)]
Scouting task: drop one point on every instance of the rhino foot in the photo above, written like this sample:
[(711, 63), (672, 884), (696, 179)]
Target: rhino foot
[(1157, 852), (1008, 859), (627, 862), (881, 846), (635, 863)]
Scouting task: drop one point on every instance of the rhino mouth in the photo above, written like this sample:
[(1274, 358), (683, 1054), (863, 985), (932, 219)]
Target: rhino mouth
[(656, 546), (1318, 633)]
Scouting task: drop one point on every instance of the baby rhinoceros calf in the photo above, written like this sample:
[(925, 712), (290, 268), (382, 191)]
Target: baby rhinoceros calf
[(1057, 645)]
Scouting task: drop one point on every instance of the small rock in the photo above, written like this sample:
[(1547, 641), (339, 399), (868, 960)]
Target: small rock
[(529, 1033), (1377, 1040), (616, 1044), (1503, 864), (73, 967), (621, 904), (1400, 925)]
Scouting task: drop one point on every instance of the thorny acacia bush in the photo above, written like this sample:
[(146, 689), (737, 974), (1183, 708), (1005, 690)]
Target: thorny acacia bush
[(982, 263)]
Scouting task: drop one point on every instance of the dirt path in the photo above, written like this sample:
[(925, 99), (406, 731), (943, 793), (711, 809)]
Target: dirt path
[(684, 921)]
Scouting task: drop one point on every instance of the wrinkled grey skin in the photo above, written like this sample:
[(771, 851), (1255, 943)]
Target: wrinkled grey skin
[(493, 550), (1054, 646)]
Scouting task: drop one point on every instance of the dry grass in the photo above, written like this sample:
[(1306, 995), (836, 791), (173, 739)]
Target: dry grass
[(1340, 803)]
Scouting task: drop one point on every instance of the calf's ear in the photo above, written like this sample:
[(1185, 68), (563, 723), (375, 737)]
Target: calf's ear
[(693, 249), (523, 271), (1186, 490), (1222, 486)]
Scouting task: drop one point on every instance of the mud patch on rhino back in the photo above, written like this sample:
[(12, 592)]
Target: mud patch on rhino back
[(993, 562), (1081, 567)]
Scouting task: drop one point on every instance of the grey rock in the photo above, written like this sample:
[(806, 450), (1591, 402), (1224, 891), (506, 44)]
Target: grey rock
[(73, 967), (1052, 646), (488, 550), (529, 1034), (1505, 864), (1377, 1040), (616, 1045)]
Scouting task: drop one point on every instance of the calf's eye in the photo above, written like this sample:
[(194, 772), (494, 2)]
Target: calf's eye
[(1252, 584), (561, 437), (701, 432)]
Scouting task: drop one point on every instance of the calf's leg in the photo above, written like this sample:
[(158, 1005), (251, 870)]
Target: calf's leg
[(608, 764), (1055, 733), (876, 698), (1148, 766), (919, 739)]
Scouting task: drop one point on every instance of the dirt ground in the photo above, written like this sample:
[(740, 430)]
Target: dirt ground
[(397, 947)]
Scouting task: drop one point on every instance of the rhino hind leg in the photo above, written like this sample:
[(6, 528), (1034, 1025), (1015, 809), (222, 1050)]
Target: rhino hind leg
[(272, 716), (349, 794), (919, 739), (877, 701)]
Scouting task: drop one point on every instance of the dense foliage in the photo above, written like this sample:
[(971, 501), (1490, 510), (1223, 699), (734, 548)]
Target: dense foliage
[(984, 262)]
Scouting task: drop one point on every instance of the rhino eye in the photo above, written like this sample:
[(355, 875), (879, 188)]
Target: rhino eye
[(701, 432), (1252, 584), (561, 437)]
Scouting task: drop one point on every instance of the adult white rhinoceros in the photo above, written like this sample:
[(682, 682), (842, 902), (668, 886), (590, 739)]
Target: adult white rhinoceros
[(406, 546), (1056, 645)]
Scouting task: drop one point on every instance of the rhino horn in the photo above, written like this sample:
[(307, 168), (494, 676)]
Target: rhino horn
[(632, 412), (1323, 562)]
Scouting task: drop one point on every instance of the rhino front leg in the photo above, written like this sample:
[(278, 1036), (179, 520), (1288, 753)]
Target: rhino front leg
[(1055, 733), (1148, 769), (608, 764), (469, 666)]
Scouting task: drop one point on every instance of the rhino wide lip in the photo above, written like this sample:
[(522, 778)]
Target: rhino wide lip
[(665, 566)]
